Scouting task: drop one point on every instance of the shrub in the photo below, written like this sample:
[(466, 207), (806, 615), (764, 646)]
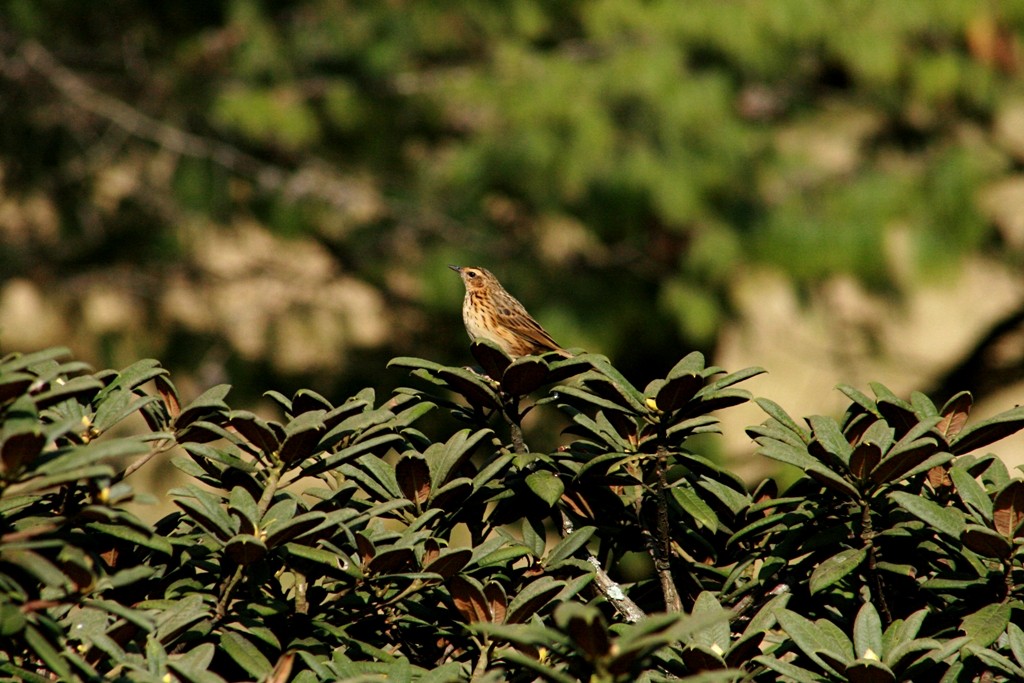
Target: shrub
[(418, 538)]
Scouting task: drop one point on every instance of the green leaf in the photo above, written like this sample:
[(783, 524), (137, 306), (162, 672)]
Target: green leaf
[(47, 653), (984, 626), (532, 598), (454, 453), (634, 399), (717, 634), (119, 406), (294, 527), (205, 508), (787, 453), (568, 546), (971, 492), (546, 486), (576, 395), (145, 539), (867, 632), (336, 564), (830, 437), (245, 510), (695, 506), (775, 411), (210, 402), (357, 450), (949, 521), (12, 621), (817, 637), (788, 670), (245, 654), (836, 568)]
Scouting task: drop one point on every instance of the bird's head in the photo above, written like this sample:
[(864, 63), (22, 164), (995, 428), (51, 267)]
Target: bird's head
[(474, 277)]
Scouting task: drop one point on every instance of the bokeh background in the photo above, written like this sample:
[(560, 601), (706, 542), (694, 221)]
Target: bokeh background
[(267, 193)]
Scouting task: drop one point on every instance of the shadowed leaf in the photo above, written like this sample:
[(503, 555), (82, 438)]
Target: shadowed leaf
[(413, 477), (492, 359), (525, 375), (986, 542)]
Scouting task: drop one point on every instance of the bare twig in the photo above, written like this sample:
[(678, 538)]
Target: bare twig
[(162, 447), (611, 590)]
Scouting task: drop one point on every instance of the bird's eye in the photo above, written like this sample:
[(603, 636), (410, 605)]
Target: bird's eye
[(471, 273)]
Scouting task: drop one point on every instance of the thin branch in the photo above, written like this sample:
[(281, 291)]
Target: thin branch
[(611, 590), (163, 447), (661, 547), (314, 179)]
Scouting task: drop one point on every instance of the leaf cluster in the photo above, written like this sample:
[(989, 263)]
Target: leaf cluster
[(358, 541)]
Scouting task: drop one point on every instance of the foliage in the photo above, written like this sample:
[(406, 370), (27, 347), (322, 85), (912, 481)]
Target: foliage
[(344, 542), (679, 147)]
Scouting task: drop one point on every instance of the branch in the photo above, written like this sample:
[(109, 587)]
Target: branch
[(314, 180), (663, 544), (611, 590)]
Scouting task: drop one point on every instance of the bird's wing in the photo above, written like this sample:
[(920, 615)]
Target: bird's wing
[(528, 329)]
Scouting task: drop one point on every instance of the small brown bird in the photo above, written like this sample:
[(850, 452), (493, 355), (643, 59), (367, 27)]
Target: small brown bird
[(491, 313)]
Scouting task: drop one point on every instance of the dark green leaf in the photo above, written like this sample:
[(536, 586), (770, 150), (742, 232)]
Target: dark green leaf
[(568, 546), (949, 521), (867, 632), (377, 444), (546, 486), (525, 375), (492, 359), (245, 654), (986, 542), (255, 430), (210, 402), (986, 624), (532, 598), (454, 453), (971, 492), (244, 549), (836, 568), (695, 506)]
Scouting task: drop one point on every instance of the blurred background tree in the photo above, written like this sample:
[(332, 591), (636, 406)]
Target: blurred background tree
[(269, 192)]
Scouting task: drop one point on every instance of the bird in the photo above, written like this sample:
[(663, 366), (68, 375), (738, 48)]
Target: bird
[(491, 313)]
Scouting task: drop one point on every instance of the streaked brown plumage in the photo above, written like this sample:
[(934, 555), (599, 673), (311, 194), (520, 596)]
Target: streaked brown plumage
[(491, 313)]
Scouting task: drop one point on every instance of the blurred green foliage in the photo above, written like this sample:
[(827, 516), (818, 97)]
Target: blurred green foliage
[(617, 162)]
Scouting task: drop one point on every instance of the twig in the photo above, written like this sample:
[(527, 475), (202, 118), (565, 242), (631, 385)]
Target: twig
[(661, 547), (313, 180), (163, 447), (611, 590)]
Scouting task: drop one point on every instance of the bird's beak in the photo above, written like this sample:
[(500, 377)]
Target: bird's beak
[(457, 269)]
